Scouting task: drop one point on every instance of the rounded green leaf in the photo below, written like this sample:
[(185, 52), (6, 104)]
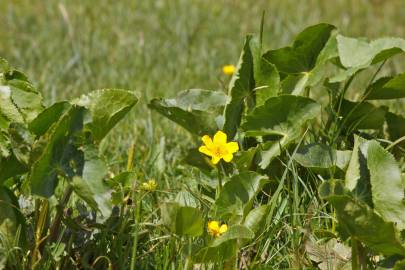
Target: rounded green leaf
[(107, 107), (303, 54)]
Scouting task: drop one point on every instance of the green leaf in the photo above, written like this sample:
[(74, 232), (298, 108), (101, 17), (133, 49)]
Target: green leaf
[(26, 99), (47, 117), (234, 232), (240, 88), (237, 195), (361, 115), (386, 186), (91, 186), (244, 159), (194, 110), (219, 253), (356, 173), (266, 76), (303, 54), (321, 156), (281, 116), (387, 88), (360, 53), (361, 221), (182, 220), (107, 107), (267, 81), (11, 220), (54, 158), (8, 111), (256, 217), (396, 127), (399, 265)]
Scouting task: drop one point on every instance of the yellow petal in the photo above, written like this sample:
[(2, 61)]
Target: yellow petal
[(207, 140), (215, 160), (223, 228), (232, 147), (205, 150), (220, 138), (228, 157), (213, 227)]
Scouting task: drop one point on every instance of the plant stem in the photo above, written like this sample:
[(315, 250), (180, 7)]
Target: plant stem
[(54, 230), (137, 201), (219, 188), (42, 210), (355, 255)]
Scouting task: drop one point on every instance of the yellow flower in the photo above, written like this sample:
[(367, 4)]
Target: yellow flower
[(218, 148), (215, 230), (228, 69), (149, 186)]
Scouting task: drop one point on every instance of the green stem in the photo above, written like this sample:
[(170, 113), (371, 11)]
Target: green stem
[(54, 230), (219, 188), (355, 255), (42, 213), (137, 201)]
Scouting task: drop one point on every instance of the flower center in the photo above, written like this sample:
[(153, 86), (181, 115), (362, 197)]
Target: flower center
[(220, 151)]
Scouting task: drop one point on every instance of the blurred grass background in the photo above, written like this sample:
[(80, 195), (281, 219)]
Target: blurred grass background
[(159, 47)]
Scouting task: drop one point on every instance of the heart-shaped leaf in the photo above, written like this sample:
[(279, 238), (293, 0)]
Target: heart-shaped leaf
[(303, 54), (360, 53)]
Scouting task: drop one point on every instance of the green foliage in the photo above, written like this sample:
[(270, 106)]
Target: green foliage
[(362, 222), (237, 195), (276, 202), (182, 220), (240, 89), (303, 54), (196, 110), (282, 116), (283, 122)]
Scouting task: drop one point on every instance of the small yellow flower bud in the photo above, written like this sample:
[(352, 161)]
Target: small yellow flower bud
[(150, 186), (229, 69)]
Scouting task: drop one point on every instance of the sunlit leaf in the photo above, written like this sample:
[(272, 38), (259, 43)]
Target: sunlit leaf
[(386, 184), (282, 116), (194, 110), (107, 107)]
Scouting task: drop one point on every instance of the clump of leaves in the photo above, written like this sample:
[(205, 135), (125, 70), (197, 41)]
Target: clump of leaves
[(295, 119)]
